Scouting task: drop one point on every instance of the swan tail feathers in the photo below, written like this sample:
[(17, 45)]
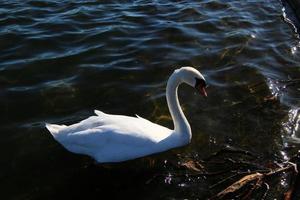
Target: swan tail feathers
[(141, 118), (99, 113), (138, 116), (54, 129)]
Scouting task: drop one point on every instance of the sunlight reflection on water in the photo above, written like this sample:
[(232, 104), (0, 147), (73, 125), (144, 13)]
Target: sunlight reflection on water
[(60, 60), (291, 126)]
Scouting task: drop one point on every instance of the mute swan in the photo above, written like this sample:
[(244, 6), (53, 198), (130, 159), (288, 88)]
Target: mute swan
[(116, 138)]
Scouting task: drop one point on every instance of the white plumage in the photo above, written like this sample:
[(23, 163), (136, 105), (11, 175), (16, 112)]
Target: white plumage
[(116, 138)]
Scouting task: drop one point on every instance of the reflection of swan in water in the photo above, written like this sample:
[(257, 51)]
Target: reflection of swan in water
[(116, 138)]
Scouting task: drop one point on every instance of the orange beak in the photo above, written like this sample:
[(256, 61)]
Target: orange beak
[(201, 90)]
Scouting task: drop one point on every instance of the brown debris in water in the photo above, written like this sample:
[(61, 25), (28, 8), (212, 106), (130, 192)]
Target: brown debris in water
[(240, 174), (193, 166), (254, 181), (258, 180)]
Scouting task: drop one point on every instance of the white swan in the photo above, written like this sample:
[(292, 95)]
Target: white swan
[(117, 138)]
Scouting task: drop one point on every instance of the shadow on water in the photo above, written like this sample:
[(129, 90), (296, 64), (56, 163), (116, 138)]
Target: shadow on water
[(61, 60)]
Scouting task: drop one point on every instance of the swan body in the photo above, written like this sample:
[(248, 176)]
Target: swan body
[(116, 138)]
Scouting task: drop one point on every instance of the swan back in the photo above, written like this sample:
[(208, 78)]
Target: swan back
[(114, 138)]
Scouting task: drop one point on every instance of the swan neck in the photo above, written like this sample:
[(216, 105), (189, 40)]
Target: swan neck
[(181, 125)]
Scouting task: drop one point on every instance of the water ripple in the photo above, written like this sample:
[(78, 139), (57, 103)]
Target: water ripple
[(62, 59)]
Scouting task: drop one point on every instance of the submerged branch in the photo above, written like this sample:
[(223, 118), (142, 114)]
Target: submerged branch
[(239, 175)]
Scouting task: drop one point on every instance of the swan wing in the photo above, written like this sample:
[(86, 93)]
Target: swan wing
[(110, 138)]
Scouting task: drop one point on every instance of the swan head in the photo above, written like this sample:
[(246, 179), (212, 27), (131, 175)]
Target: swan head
[(194, 78)]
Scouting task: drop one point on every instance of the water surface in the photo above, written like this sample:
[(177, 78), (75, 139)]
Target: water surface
[(60, 60)]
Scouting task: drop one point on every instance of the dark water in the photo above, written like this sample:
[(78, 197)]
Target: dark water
[(60, 60)]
